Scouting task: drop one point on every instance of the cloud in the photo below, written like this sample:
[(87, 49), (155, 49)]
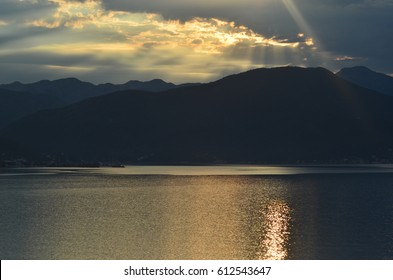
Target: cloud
[(86, 38), (179, 40), (348, 58), (150, 28)]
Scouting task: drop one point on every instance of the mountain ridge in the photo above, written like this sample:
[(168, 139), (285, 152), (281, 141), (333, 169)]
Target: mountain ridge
[(71, 89), (278, 115), (45, 94)]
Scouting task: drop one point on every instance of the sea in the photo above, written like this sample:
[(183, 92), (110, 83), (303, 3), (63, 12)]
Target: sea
[(319, 212)]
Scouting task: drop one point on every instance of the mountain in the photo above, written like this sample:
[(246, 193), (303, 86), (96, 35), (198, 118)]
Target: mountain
[(18, 100), (71, 90), (155, 85), (68, 90), (14, 105), (278, 115), (367, 78)]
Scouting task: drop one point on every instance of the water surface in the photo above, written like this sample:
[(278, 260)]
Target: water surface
[(219, 212)]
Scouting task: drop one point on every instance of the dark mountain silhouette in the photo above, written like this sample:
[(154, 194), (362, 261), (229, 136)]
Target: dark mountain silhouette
[(274, 115), (367, 78), (71, 90), (18, 100), (155, 85), (68, 90), (14, 105)]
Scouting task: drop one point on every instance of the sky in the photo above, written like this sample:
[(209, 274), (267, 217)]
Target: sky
[(186, 40)]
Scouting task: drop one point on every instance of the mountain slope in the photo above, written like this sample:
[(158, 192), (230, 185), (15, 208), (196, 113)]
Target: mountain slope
[(367, 78), (265, 115), (14, 105)]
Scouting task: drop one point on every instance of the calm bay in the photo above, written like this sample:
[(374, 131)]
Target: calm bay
[(197, 212)]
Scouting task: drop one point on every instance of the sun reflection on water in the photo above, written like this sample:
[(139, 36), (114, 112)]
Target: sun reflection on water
[(276, 225)]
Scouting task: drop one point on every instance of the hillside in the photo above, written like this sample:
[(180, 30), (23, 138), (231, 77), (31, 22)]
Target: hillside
[(279, 115), (14, 105)]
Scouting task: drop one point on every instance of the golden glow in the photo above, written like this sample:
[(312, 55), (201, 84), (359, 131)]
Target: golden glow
[(346, 58), (81, 48), (147, 44), (309, 42), (276, 228), (68, 68), (213, 35), (42, 23)]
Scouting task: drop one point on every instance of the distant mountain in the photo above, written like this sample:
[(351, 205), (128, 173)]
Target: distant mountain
[(367, 78), (155, 85), (14, 105), (18, 100), (68, 90), (279, 115), (71, 90)]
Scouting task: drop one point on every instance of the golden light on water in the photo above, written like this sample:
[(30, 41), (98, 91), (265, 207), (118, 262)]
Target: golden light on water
[(276, 227)]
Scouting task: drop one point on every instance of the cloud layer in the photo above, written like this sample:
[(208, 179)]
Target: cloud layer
[(100, 40)]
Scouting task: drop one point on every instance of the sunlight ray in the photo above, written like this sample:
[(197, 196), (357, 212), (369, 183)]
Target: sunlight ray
[(308, 33), (298, 18)]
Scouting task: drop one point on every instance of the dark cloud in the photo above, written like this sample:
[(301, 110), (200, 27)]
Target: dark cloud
[(355, 29)]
